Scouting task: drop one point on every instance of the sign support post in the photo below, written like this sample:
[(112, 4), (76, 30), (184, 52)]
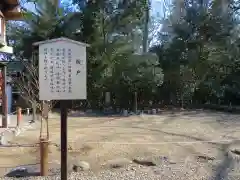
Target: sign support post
[(44, 156), (64, 146)]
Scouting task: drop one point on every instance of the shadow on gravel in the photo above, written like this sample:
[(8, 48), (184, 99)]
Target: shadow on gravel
[(229, 167), (24, 171), (32, 170), (21, 174), (221, 172), (19, 145), (167, 133), (94, 114)]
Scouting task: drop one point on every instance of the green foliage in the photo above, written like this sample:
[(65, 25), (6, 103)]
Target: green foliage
[(197, 59), (108, 27), (202, 49)]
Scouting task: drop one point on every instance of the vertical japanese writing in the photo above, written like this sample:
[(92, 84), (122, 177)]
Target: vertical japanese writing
[(69, 70), (79, 63), (45, 64), (51, 71), (58, 70), (63, 70)]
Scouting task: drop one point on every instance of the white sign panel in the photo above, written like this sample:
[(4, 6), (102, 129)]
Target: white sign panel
[(62, 70)]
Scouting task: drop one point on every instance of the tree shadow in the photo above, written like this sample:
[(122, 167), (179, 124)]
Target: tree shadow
[(24, 171), (29, 170), (171, 116), (195, 139), (170, 133), (90, 113), (221, 171), (19, 145)]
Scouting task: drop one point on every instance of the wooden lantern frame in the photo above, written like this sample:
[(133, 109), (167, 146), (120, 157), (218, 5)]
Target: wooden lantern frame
[(9, 10)]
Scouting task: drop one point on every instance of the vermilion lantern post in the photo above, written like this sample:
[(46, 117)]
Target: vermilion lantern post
[(9, 10), (3, 94), (1, 82)]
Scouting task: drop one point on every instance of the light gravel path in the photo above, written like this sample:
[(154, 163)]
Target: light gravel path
[(174, 172), (100, 139)]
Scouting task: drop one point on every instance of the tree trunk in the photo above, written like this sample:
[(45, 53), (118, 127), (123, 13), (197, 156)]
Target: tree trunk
[(182, 101), (135, 105), (34, 111)]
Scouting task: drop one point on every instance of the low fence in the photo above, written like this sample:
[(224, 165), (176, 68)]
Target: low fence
[(158, 109), (217, 107)]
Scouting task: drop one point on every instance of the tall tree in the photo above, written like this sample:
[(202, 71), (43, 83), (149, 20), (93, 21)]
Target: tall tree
[(109, 26), (47, 21), (198, 30)]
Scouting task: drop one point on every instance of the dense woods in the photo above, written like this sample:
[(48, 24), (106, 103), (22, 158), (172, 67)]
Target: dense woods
[(195, 60)]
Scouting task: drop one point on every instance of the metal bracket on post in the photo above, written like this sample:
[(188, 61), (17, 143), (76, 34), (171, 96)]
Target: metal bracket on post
[(44, 156), (44, 140)]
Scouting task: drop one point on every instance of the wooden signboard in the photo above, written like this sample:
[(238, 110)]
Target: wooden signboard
[(62, 76), (62, 70)]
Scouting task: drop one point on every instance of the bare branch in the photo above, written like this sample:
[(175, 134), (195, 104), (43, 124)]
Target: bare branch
[(28, 85)]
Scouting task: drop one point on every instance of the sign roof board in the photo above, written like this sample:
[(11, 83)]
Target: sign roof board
[(60, 39)]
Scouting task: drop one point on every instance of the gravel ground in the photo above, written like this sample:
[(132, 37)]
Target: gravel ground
[(195, 144), (166, 170), (142, 173)]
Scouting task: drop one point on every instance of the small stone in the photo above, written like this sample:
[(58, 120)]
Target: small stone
[(3, 140), (89, 111), (157, 172), (18, 172), (81, 166), (144, 162), (16, 131), (133, 168), (118, 163), (125, 112), (234, 154), (154, 111), (205, 158)]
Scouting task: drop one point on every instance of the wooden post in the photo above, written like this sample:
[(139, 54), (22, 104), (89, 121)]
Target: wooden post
[(135, 102), (44, 156), (44, 140), (64, 149), (4, 99), (19, 116)]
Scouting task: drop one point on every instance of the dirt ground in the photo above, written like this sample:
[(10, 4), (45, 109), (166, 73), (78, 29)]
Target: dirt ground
[(178, 136)]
